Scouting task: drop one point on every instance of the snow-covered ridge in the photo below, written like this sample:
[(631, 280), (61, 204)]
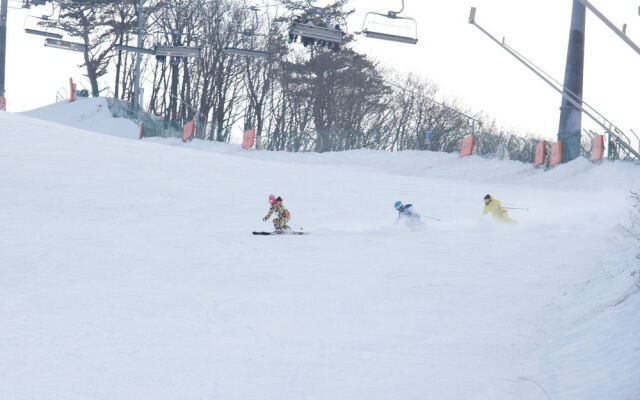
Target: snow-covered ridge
[(127, 270), (93, 114), (90, 114)]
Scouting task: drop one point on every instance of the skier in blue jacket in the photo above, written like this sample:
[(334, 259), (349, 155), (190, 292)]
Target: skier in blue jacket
[(407, 214)]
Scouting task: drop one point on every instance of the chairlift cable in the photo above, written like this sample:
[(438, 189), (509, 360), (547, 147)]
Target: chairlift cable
[(606, 124), (578, 98), (434, 101), (569, 91), (401, 10)]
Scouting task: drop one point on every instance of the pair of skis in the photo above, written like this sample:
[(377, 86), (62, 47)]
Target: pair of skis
[(283, 232)]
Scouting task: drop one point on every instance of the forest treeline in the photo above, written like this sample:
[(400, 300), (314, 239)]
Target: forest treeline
[(304, 97)]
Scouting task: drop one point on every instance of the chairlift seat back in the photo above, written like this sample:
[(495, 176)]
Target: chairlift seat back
[(318, 32)]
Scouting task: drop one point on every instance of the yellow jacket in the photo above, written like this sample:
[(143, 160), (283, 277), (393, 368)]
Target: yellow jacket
[(497, 211)]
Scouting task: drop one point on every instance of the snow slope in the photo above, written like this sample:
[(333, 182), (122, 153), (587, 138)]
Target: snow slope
[(128, 271), (89, 113)]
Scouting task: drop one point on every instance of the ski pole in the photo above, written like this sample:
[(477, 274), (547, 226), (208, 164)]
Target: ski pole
[(435, 219), (516, 208), (296, 226)]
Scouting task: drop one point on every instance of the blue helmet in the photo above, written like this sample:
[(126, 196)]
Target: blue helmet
[(397, 205)]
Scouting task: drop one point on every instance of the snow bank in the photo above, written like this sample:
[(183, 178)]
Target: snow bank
[(594, 346), (90, 114), (127, 270)]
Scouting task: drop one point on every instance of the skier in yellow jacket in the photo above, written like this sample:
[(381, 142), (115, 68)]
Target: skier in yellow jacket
[(494, 207)]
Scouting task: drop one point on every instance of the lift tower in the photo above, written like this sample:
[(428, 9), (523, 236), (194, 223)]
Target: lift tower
[(571, 115), (3, 49)]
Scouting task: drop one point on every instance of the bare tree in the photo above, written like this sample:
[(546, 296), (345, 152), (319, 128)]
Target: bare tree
[(123, 19), (97, 24), (303, 98)]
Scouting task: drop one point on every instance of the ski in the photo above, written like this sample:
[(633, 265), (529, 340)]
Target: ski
[(279, 233)]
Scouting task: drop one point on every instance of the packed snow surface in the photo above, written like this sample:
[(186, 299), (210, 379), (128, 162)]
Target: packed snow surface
[(128, 271)]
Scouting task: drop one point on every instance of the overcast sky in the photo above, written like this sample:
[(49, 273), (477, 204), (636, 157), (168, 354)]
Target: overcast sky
[(464, 62)]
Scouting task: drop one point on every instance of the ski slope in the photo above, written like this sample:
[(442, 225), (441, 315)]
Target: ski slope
[(128, 271)]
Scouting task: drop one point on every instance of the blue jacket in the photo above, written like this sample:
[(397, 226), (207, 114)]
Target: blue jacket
[(405, 211)]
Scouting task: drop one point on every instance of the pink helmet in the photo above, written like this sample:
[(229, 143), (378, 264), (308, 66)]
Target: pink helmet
[(272, 198)]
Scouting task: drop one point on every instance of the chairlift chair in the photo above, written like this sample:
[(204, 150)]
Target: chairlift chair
[(39, 32), (310, 33), (251, 32), (246, 52), (65, 45), (43, 33), (394, 15), (176, 51)]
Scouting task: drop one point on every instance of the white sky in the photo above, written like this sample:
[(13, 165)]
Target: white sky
[(464, 63)]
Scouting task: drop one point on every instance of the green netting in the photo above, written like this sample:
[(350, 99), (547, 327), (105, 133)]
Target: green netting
[(151, 126)]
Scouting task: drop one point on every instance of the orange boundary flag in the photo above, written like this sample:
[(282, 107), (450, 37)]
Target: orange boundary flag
[(556, 154), (467, 146), (188, 130), (541, 153), (597, 148), (72, 98), (249, 138)]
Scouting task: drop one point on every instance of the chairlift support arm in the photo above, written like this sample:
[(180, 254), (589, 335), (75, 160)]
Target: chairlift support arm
[(568, 97), (611, 25), (394, 14), (255, 14), (252, 31), (314, 9)]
